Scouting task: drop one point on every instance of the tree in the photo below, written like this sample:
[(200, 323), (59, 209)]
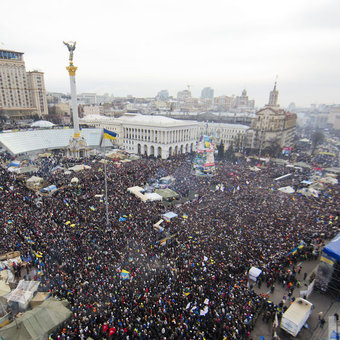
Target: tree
[(220, 151), (230, 154), (273, 149), (317, 138)]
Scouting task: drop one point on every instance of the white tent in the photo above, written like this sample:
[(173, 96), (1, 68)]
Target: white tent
[(169, 215), (329, 180), (79, 167), (42, 124), (34, 182), (254, 273), (153, 197), (74, 180), (254, 168), (287, 190), (23, 293), (157, 226)]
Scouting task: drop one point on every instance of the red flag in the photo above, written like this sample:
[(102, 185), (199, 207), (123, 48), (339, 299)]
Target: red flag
[(112, 331), (105, 327)]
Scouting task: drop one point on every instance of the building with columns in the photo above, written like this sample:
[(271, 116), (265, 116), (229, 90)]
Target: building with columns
[(149, 135), (237, 134)]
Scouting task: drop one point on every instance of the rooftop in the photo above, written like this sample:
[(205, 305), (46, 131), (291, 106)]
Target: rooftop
[(35, 140)]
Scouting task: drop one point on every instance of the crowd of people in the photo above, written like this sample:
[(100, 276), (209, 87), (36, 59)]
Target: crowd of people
[(196, 285)]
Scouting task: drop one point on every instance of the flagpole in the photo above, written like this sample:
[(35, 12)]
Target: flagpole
[(106, 203)]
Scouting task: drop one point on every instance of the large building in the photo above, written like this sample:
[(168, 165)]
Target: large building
[(149, 135), (22, 94), (334, 117), (163, 136), (273, 126), (207, 93)]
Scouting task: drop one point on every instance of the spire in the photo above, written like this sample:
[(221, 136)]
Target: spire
[(273, 97)]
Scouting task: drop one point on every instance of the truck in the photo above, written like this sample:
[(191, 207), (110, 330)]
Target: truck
[(294, 318)]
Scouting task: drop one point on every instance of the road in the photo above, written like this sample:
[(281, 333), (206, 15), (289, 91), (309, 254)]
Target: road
[(325, 303)]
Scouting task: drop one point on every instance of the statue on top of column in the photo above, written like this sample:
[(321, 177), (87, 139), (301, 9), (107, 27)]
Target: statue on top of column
[(71, 45)]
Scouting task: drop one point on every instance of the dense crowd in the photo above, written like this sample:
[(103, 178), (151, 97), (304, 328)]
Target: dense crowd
[(194, 287)]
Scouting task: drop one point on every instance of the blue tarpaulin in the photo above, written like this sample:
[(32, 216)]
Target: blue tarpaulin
[(333, 248)]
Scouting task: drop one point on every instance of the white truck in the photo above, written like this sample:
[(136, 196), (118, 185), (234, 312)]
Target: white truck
[(294, 318)]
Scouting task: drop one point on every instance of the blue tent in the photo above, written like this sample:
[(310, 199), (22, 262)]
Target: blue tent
[(333, 248), (125, 275), (14, 163), (49, 190)]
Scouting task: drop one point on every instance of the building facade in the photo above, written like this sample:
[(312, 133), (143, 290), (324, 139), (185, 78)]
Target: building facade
[(207, 93), (334, 118), (22, 94), (93, 110), (238, 135), (36, 84), (273, 126), (163, 137)]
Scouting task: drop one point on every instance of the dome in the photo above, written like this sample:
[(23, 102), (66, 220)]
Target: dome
[(42, 124)]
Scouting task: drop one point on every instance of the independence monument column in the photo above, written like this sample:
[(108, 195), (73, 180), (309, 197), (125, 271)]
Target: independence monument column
[(77, 146)]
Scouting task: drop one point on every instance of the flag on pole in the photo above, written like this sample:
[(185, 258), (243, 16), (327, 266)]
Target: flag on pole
[(109, 134)]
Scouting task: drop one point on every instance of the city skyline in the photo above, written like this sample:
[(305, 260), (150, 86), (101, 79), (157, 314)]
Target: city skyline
[(140, 48)]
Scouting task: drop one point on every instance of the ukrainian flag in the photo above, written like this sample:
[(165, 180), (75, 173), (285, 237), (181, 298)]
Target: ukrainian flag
[(109, 134)]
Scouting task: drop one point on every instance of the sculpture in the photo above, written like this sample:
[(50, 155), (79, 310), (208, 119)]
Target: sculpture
[(71, 45)]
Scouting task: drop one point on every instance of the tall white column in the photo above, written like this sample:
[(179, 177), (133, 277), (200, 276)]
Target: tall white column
[(72, 73)]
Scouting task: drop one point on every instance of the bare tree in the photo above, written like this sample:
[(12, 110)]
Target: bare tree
[(317, 138)]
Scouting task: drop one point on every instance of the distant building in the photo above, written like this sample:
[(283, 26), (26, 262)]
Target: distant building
[(238, 135), (183, 95), (87, 98), (273, 126), (38, 92), (162, 95), (207, 93), (22, 94), (93, 110), (334, 117), (149, 135), (223, 103), (242, 102)]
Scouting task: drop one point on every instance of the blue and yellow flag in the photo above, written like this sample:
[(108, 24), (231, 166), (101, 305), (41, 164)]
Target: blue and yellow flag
[(109, 134)]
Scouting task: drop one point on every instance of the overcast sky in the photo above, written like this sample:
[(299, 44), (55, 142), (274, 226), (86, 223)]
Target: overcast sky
[(140, 47)]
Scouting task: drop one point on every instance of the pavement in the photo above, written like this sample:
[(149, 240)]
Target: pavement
[(321, 303)]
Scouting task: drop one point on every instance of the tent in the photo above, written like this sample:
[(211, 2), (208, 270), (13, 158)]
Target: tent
[(125, 275), (42, 124), (328, 274), (23, 293), (153, 197), (74, 180), (14, 163), (79, 167), (333, 248), (254, 168), (138, 192), (167, 193), (287, 190), (38, 322), (48, 191), (14, 169), (254, 273), (4, 288), (169, 215), (34, 182), (329, 180), (157, 226), (39, 298)]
